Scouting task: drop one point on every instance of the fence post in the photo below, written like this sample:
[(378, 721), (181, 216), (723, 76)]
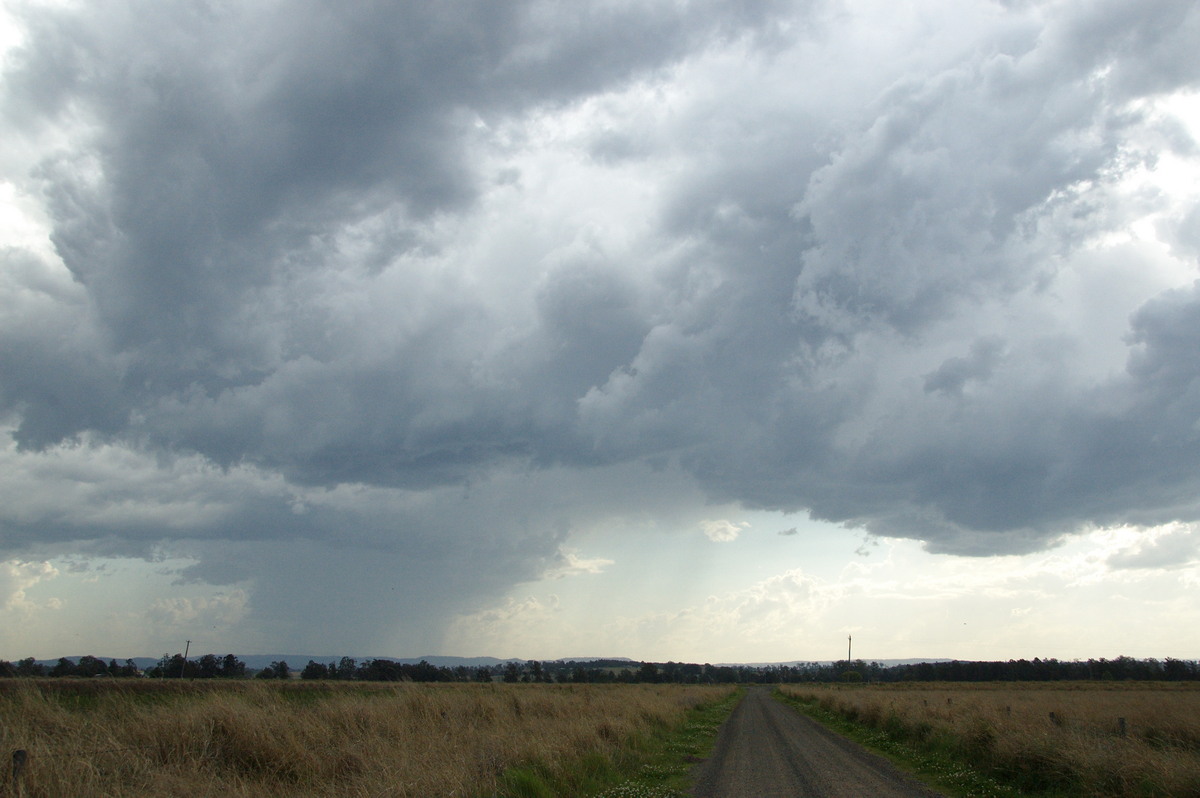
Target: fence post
[(18, 770)]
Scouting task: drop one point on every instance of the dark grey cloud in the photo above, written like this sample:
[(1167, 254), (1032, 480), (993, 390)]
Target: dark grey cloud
[(56, 375), (310, 259), (946, 200), (218, 172), (248, 198), (955, 373), (223, 143)]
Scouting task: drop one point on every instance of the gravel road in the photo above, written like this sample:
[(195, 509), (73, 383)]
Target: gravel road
[(768, 750)]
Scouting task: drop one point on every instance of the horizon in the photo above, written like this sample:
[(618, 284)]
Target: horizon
[(442, 660), (703, 330)]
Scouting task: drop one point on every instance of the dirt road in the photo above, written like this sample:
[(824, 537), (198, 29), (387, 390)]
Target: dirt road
[(768, 750)]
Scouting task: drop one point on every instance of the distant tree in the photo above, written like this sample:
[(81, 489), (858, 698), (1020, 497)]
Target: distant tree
[(232, 667), (512, 673), (173, 666), (30, 667), (1177, 670), (91, 666), (276, 670), (180, 668), (128, 670), (64, 667), (379, 670), (690, 673), (648, 673), (159, 669), (208, 667), (423, 671), (315, 670), (345, 670)]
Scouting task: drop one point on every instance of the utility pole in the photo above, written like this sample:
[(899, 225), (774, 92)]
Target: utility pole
[(849, 643), (183, 667)]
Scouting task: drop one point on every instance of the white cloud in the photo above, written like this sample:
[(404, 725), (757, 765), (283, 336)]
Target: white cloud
[(569, 563), (516, 628), (1169, 547), (176, 615), (16, 578), (722, 531)]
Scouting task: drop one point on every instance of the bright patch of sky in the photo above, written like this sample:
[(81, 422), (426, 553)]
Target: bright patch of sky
[(771, 598)]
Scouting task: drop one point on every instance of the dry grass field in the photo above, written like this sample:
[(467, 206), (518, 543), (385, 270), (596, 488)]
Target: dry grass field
[(1061, 738), (119, 738)]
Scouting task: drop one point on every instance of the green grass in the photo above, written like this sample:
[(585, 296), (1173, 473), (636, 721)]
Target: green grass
[(651, 765), (926, 759)]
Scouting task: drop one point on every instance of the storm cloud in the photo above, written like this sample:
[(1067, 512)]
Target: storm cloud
[(401, 295)]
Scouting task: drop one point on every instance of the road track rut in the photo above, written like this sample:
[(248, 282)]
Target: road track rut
[(768, 750)]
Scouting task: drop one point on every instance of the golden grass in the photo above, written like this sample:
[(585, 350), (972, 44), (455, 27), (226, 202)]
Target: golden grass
[(1009, 731), (118, 738)]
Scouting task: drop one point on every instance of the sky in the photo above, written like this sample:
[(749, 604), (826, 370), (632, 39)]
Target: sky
[(691, 330)]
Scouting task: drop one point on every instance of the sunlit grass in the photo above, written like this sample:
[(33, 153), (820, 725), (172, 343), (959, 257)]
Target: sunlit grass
[(93, 738), (1054, 739)]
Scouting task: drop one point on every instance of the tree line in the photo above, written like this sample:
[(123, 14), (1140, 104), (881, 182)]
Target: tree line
[(85, 666), (624, 671), (211, 666), (1041, 670)]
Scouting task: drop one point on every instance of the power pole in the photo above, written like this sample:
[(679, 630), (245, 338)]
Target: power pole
[(849, 643), (183, 667)]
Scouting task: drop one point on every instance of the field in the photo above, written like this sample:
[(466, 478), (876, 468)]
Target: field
[(1074, 738), (124, 738)]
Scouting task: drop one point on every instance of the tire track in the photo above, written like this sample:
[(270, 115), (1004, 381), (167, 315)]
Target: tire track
[(768, 750)]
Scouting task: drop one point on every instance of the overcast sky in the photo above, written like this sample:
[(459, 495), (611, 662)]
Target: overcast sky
[(693, 330)]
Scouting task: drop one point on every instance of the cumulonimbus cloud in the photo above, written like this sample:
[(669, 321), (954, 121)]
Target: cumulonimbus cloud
[(451, 260)]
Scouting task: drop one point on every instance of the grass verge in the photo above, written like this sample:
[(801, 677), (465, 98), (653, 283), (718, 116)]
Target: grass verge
[(259, 740), (1069, 740), (927, 762), (654, 764)]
